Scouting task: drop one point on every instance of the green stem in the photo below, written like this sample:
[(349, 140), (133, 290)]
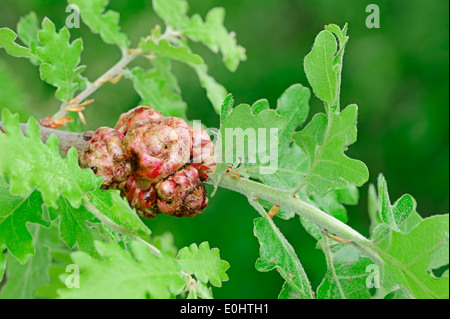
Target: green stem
[(283, 198)]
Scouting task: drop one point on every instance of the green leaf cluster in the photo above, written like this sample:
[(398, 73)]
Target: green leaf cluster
[(39, 180)]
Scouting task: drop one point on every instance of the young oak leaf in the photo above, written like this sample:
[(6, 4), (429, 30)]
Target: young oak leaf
[(2, 262), (243, 127), (324, 141), (23, 280), (394, 215), (16, 212), (117, 210), (293, 105), (292, 161), (277, 253), (32, 164), (323, 65), (121, 275), (60, 60), (104, 23), (408, 258), (72, 225), (7, 41), (27, 30), (204, 263), (291, 112), (226, 108), (287, 292), (333, 204), (215, 92), (198, 290), (174, 13)]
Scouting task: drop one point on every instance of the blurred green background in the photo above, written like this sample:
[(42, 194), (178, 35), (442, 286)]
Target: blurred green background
[(398, 75)]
